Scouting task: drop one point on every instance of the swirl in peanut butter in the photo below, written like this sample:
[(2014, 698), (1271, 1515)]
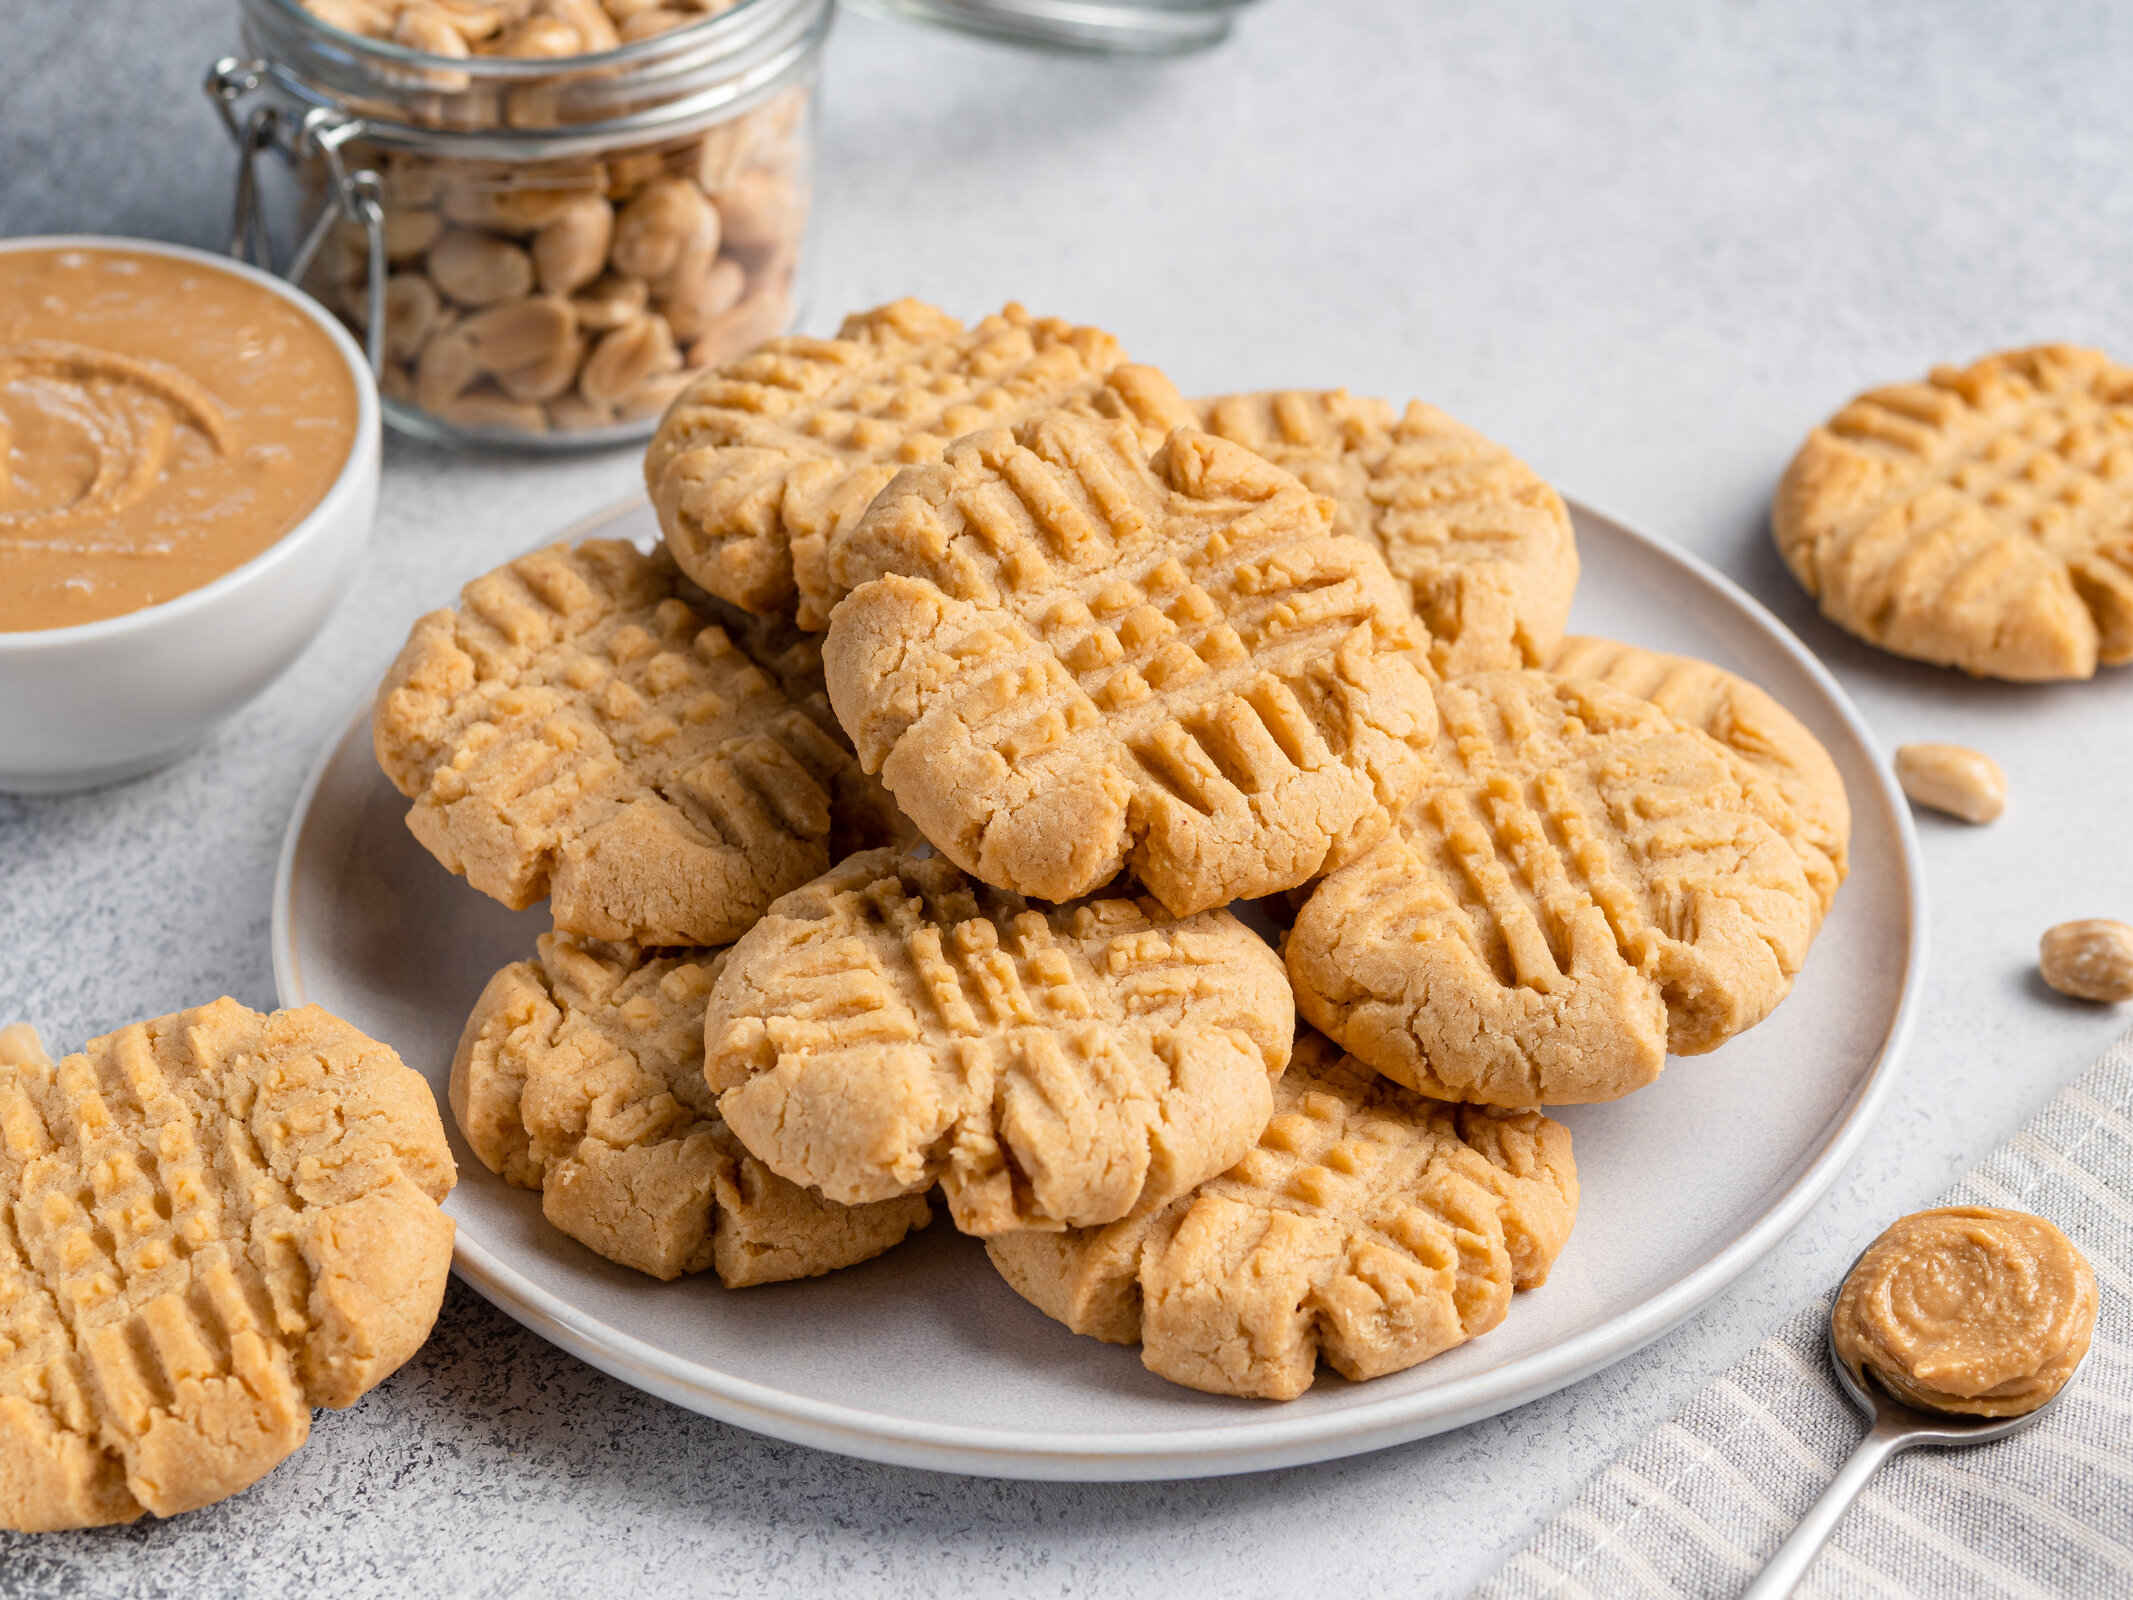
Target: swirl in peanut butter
[(161, 423), (1967, 1309)]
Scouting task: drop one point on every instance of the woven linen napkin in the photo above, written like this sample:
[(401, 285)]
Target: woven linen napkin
[(1697, 1506)]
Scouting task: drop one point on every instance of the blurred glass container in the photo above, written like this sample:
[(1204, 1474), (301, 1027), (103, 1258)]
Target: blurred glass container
[(1087, 27), (551, 247)]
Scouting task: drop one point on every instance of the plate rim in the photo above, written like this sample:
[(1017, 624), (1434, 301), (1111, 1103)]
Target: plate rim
[(1221, 1448)]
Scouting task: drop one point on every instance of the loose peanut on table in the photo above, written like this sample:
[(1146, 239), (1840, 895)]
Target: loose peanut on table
[(1950, 778), (2090, 960)]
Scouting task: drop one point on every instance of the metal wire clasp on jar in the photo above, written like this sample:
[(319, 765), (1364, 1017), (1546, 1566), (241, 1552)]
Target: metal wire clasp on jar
[(539, 250)]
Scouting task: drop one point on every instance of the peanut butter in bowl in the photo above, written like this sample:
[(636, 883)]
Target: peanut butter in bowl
[(1968, 1309), (162, 423)]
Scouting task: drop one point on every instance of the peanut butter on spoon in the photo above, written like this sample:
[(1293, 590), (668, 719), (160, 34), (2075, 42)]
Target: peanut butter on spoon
[(1971, 1322), (1967, 1309)]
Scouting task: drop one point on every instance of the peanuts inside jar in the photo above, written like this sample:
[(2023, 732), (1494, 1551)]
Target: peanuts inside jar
[(584, 203), (578, 295)]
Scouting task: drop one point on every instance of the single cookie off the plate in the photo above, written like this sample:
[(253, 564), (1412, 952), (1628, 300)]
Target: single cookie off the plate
[(218, 1220)]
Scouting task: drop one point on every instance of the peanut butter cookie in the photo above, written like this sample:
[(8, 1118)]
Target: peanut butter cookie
[(581, 1074), (893, 1024), (209, 1224), (1370, 1226), (1484, 546), (1065, 657), (863, 814), (761, 461), (1585, 884), (1746, 721), (1982, 519), (576, 729)]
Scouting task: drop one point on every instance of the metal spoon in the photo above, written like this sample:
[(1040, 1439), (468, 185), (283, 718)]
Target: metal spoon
[(1897, 1427)]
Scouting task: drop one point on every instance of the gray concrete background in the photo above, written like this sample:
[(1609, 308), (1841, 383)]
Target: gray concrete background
[(1646, 245)]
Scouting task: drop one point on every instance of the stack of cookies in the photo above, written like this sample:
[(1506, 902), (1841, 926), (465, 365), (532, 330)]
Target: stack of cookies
[(893, 815)]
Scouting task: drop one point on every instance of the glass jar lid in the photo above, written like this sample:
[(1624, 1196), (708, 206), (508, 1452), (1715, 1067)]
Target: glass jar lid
[(1088, 27)]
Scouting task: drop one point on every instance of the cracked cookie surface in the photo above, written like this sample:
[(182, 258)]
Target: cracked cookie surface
[(760, 462), (1584, 884), (581, 1074), (893, 1024), (1066, 657), (1981, 519), (1484, 546), (578, 729), (1746, 720), (1370, 1227), (209, 1223)]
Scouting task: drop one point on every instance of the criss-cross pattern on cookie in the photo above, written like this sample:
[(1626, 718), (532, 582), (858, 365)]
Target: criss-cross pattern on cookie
[(1483, 544), (1369, 1226), (893, 1024), (1584, 884), (1981, 519), (1065, 656), (577, 730), (1751, 724), (761, 461), (581, 1074), (209, 1224)]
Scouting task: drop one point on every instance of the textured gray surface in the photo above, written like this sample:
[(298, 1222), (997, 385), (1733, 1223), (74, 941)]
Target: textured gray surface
[(1645, 245)]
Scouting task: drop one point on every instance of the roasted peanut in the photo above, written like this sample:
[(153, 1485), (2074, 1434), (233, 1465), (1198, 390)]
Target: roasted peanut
[(446, 369), (667, 216), (353, 16), (724, 153), (520, 334), (476, 20), (572, 412), (594, 27), (650, 24), (1950, 778), (652, 397), (410, 182), (503, 204), (571, 247), (626, 357), (431, 29), (409, 233), (761, 315), (540, 37), (761, 213), (477, 270), (609, 301), (632, 170), (487, 412), (2090, 960), (411, 307), (699, 298), (546, 377)]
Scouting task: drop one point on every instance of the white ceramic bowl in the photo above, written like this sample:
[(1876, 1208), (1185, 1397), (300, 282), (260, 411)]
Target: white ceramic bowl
[(113, 699)]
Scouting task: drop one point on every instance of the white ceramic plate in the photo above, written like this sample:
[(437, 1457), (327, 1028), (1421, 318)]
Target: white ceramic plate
[(925, 1358)]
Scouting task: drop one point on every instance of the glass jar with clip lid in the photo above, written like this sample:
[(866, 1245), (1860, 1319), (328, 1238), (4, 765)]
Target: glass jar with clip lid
[(538, 249)]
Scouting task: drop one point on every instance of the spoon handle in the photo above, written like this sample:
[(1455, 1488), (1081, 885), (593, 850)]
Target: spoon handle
[(1797, 1553)]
